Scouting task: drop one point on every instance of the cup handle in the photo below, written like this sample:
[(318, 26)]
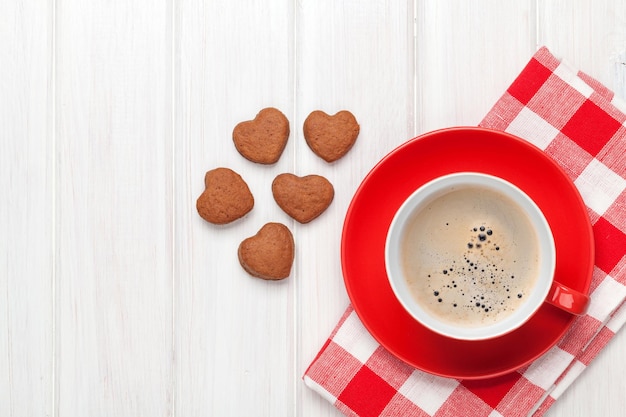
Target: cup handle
[(567, 299)]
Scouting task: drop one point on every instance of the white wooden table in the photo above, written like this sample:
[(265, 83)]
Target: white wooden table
[(116, 299)]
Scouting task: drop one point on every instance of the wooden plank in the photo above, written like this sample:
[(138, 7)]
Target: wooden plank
[(114, 216), (468, 53), (356, 56), (26, 211), (234, 349)]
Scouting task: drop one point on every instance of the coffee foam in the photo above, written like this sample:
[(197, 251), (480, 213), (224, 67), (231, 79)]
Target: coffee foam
[(470, 256)]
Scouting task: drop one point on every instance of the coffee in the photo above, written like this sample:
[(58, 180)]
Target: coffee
[(470, 256)]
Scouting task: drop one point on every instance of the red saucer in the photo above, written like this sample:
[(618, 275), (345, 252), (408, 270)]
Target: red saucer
[(400, 173)]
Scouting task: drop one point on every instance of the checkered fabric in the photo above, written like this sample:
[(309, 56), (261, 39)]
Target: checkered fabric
[(582, 126)]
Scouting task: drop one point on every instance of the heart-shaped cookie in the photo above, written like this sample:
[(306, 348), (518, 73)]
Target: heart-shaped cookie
[(226, 197), (268, 254), (263, 139), (303, 198), (330, 137)]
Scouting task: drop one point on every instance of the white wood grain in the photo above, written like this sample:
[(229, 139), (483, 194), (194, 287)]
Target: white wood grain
[(116, 299), (589, 34), (467, 54), (27, 208), (114, 209), (235, 341)]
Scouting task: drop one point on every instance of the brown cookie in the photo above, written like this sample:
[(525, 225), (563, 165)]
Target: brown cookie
[(268, 254), (330, 137), (303, 198), (226, 197), (263, 139)]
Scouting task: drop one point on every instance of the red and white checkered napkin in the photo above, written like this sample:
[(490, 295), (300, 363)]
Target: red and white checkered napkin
[(581, 125)]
